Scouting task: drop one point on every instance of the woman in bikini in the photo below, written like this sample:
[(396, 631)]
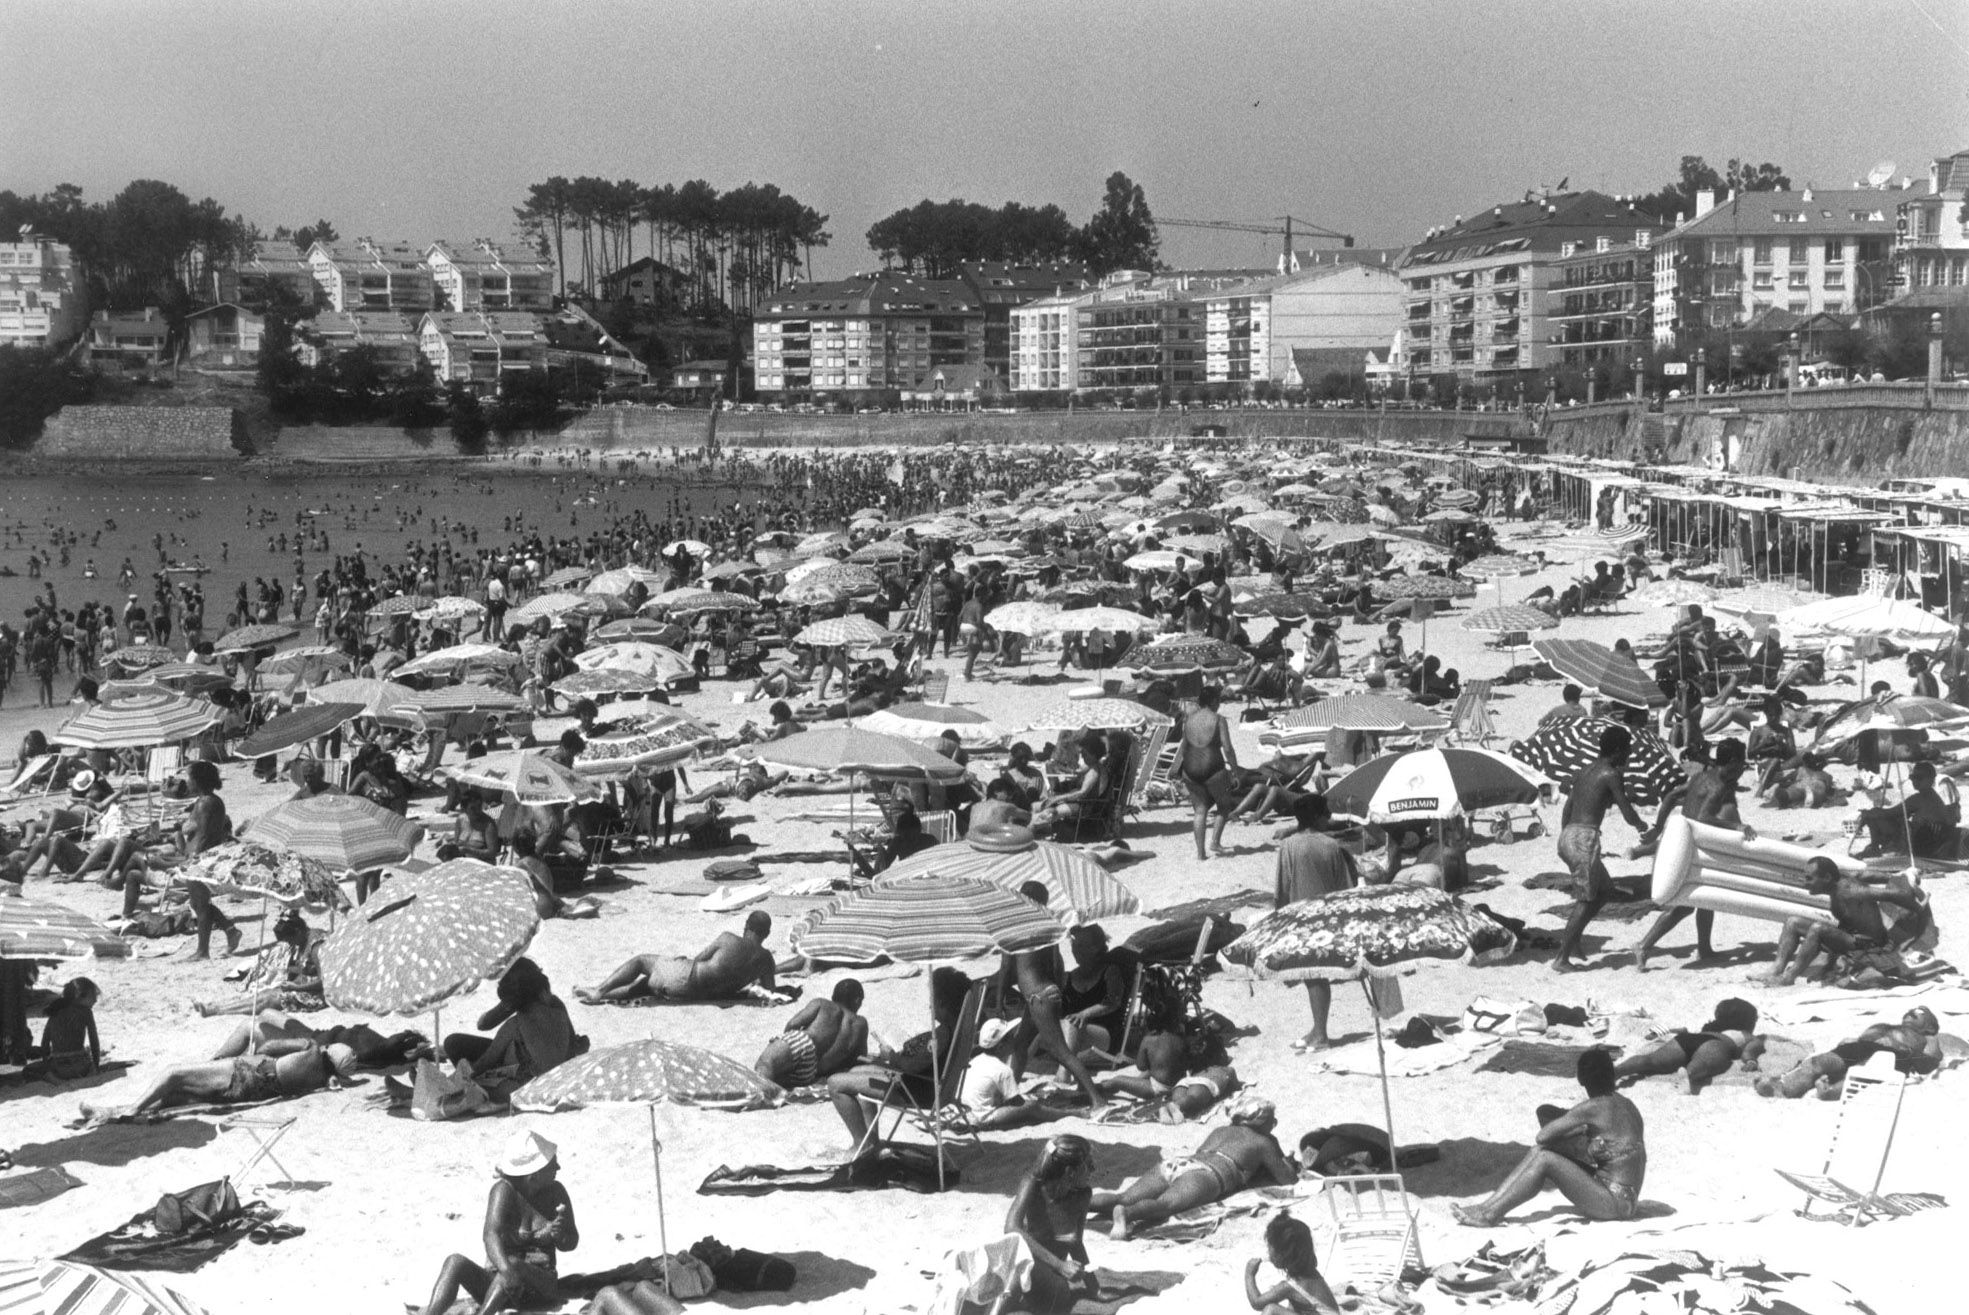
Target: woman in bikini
[(528, 1219), (1209, 768), (1050, 1212), (1229, 1160), (1700, 1055), (1594, 1152)]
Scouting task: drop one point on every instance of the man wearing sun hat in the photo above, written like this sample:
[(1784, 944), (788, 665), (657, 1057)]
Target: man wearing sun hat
[(528, 1220)]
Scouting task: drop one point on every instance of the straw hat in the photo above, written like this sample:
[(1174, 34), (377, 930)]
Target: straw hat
[(526, 1154), (82, 782)]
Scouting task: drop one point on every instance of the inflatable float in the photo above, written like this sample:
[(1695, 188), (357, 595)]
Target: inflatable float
[(1711, 867)]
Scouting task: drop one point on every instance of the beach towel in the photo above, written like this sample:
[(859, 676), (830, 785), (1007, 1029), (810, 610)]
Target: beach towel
[(981, 1275), (1359, 1056), (912, 1168), (1114, 1289), (136, 1245), (1195, 1225), (1864, 1007), (1538, 1058), (33, 1186)]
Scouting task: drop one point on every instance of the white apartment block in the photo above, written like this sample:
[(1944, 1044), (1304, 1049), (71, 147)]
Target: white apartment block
[(42, 302)]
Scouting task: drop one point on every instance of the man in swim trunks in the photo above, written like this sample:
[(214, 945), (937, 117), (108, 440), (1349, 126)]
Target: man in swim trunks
[(1230, 1160), (1700, 1055), (242, 1080), (720, 971), (1859, 925), (1039, 973), (1915, 1043), (1710, 798), (1594, 791), (825, 1037)]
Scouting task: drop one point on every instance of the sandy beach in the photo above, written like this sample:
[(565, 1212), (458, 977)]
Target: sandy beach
[(383, 1198)]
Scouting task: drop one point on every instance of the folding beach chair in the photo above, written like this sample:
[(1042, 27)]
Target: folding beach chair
[(24, 780), (265, 1128), (1374, 1238), (1729, 568), (1856, 1155), (165, 762), (1184, 984), (1142, 768), (944, 1115), (936, 686), (1469, 721)]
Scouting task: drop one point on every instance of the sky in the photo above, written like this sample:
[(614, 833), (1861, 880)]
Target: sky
[(419, 119)]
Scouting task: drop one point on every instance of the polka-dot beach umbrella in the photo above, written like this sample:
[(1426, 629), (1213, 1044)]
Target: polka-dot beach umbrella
[(842, 632), (1095, 715), (428, 936), (38, 929), (648, 1072)]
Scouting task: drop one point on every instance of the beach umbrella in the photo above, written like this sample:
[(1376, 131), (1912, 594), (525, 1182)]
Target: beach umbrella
[(138, 657), (528, 775), (656, 742), (1595, 666), (1450, 516), (926, 918), (1366, 933), (250, 637), (1187, 653), (39, 929), (344, 831), (1366, 712), (568, 577), (647, 629), (927, 722), (185, 677), (1096, 715), (467, 697), (695, 547), (1655, 1280), (842, 632), (1498, 566), (1765, 600), (648, 1072), (1024, 618), (1865, 617), (381, 699), (552, 605), (1673, 593), (307, 660), (1381, 514), (1188, 520), (1083, 620), (729, 570), (69, 1287), (1889, 712), (458, 657), (607, 681), (665, 664), (882, 550), (1281, 605), (1563, 749), (1435, 783), (451, 607), (848, 750), (310, 721), (699, 600), (257, 867), (1077, 888), (1156, 559), (1338, 536), (624, 578), (424, 937), (1421, 586), (1510, 617), (138, 721)]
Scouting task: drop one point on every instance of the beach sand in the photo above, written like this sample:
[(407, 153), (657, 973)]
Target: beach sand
[(389, 1197)]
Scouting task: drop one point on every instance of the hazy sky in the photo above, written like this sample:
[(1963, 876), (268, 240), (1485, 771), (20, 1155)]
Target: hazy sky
[(413, 119)]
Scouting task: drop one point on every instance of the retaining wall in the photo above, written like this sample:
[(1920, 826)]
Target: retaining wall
[(1838, 443), (143, 433)]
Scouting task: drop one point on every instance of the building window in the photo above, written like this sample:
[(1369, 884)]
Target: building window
[(1760, 251)]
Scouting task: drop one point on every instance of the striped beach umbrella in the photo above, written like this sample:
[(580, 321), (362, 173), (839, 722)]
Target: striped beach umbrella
[(568, 577), (187, 677), (1366, 712), (460, 657), (425, 937), (848, 751), (553, 605), (381, 699), (256, 867), (310, 721), (842, 632), (1435, 783), (467, 697), (1498, 566), (138, 721), (1564, 749), (38, 929), (528, 775), (308, 659), (650, 1072), (927, 722), (69, 1287), (1596, 667), (1077, 888), (344, 831), (648, 629), (624, 578), (1889, 712), (1510, 617), (1095, 715), (925, 918), (694, 601)]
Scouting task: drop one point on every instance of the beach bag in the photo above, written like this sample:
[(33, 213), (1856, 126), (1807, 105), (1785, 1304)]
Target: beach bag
[(438, 1096), (206, 1206), (1503, 1017), (745, 1270), (688, 1278)]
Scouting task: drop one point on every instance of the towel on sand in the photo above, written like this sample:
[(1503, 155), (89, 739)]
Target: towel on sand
[(1195, 1225), (1360, 1057), (33, 1186), (910, 1167)]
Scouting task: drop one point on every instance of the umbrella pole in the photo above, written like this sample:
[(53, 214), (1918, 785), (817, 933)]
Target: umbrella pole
[(1381, 1056), (662, 1227), (936, 1075)]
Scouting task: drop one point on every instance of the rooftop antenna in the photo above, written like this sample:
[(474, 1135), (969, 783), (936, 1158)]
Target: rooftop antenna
[(1880, 173)]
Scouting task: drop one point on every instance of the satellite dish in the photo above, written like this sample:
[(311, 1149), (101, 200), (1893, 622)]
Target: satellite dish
[(1880, 173)]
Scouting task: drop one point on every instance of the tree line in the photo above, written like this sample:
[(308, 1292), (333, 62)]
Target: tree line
[(149, 245), (728, 248), (932, 238)]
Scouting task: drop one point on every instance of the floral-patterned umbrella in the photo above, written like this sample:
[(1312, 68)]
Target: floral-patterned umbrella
[(1659, 1280), (1095, 714), (257, 867), (467, 697), (138, 657), (1187, 653), (38, 929), (644, 659), (648, 1072), (655, 742), (699, 600), (609, 681), (427, 936)]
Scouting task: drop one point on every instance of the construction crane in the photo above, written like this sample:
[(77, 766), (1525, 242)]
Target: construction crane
[(1286, 230)]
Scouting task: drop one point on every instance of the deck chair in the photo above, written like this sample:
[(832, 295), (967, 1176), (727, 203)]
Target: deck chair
[(1729, 572), (936, 686), (1161, 787), (1878, 583), (1143, 766), (24, 780), (1374, 1238), (1469, 721), (742, 660), (1135, 1012), (945, 1114), (1856, 1155), (166, 760)]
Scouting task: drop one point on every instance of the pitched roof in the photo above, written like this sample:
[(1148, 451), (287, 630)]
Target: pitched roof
[(887, 293), (1315, 363), (1536, 224), (1809, 212)]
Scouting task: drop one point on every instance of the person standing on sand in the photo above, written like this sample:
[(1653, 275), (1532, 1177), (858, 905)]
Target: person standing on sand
[(1311, 864), (1593, 792), (1209, 769), (1710, 798)]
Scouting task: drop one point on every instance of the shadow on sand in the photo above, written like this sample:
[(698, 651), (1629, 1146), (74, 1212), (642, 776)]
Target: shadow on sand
[(821, 1276), (117, 1144)]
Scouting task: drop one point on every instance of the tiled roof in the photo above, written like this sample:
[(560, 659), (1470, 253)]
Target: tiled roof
[(1539, 224), (1757, 214), (877, 294)]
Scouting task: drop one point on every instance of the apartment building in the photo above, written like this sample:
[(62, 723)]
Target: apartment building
[(274, 273), (1931, 241), (391, 335), (372, 275), (1253, 328), (645, 281), (1142, 330), (129, 340), (227, 334), (874, 331), (42, 301), (483, 275), (1001, 286), (1807, 252), (1043, 348), (1605, 301), (1480, 292)]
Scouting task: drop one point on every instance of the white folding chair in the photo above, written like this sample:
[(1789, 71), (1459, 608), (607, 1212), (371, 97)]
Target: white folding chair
[(1856, 1155), (1374, 1238)]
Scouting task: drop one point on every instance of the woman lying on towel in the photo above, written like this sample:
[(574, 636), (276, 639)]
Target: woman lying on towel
[(1593, 1152), (1231, 1159), (1700, 1055), (245, 1080)]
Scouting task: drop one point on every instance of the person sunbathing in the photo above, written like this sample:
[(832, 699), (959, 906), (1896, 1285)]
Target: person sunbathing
[(751, 780), (1230, 1160), (1289, 1248), (1594, 1153), (285, 975), (720, 971), (1049, 1210), (822, 1039), (529, 1218), (246, 1079), (1858, 922), (272, 1032), (1701, 1055), (1914, 1042)]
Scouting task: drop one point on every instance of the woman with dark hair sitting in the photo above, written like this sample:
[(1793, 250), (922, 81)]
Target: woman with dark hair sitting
[(1049, 1210), (1594, 1152)]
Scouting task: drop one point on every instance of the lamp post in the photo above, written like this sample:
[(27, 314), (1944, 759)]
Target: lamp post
[(1934, 357), (1640, 380), (1791, 366), (1699, 372)]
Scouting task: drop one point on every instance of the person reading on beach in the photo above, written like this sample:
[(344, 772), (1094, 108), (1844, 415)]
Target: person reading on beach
[(1232, 1158), (1595, 1153), (245, 1080), (1858, 924), (1039, 974), (914, 1066), (1914, 1042), (1594, 791), (822, 1039), (1700, 1056), (1049, 1210), (1054, 808), (529, 1218), (1710, 798), (1289, 1250), (721, 971)]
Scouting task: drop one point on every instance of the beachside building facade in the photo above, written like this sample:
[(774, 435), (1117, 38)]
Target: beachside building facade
[(224, 335), (1605, 307), (480, 348), (875, 331), (1931, 239), (1807, 252), (368, 275), (483, 275), (42, 302), (1042, 353), (1000, 287), (392, 336), (645, 282), (1252, 329), (273, 273), (129, 340), (1480, 293)]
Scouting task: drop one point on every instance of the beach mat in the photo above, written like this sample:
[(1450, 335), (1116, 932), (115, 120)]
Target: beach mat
[(912, 1168), (1538, 1058), (134, 1245), (33, 1186), (1195, 1225)]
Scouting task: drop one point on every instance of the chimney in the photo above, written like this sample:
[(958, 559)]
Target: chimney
[(1705, 202), (1806, 195), (1567, 249), (1643, 238), (1602, 245)]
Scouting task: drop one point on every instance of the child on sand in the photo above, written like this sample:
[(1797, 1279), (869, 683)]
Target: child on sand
[(70, 1047), (1289, 1248)]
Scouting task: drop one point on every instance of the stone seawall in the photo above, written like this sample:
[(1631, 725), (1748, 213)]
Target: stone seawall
[(1842, 445), (143, 433)]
